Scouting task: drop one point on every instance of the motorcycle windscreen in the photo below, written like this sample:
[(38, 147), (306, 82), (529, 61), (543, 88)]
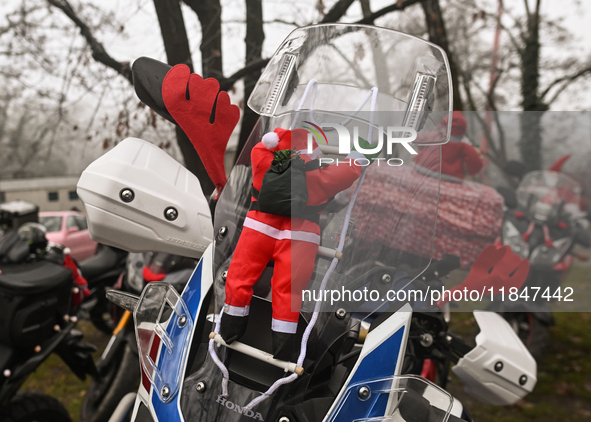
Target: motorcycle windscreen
[(406, 398), (330, 91), (410, 76), (547, 198), (547, 194), (374, 218), (392, 221)]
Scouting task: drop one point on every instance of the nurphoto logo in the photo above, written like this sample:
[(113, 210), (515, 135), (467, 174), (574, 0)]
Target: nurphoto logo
[(390, 136)]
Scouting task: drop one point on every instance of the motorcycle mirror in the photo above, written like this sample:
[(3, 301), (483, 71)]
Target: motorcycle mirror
[(515, 168), (124, 300), (148, 75)]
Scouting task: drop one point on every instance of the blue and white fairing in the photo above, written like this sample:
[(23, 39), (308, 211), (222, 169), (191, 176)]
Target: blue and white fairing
[(378, 364), (169, 367), (374, 388)]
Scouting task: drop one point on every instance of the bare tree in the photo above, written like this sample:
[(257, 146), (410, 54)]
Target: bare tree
[(254, 51), (443, 20), (438, 35), (176, 44), (536, 99), (519, 68)]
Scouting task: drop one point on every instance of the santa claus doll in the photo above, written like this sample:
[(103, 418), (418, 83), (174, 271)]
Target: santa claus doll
[(289, 239)]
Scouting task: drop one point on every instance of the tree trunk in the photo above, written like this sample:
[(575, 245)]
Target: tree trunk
[(209, 13), (176, 44), (254, 49), (530, 144), (438, 35), (174, 34)]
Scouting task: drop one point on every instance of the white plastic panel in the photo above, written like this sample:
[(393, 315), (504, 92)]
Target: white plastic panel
[(158, 182), (499, 370)]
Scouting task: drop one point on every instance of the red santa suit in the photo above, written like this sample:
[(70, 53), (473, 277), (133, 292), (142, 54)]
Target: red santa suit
[(292, 243), (455, 157)]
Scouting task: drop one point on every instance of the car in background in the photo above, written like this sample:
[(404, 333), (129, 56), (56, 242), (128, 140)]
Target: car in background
[(69, 228)]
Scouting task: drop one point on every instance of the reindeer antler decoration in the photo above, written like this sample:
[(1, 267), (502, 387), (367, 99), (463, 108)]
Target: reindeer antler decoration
[(190, 101)]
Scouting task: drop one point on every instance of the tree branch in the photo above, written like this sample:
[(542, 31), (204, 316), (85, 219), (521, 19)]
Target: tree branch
[(567, 81), (209, 13), (487, 133), (513, 40), (337, 11), (98, 50), (282, 21), (526, 7), (398, 6), (227, 83)]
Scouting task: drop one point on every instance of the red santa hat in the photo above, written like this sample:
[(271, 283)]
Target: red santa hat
[(458, 123), (287, 139), (270, 140)]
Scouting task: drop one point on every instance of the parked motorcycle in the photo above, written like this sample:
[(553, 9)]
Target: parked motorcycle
[(188, 371), (13, 214), (543, 222), (118, 366), (39, 297), (102, 271)]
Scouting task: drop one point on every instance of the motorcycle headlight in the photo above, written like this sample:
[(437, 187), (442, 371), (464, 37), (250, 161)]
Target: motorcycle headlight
[(550, 256), (513, 238)]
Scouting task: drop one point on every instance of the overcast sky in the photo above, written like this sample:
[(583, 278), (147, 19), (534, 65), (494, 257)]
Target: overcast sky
[(144, 33), (142, 37)]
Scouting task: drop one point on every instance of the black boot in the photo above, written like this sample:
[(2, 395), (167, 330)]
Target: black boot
[(232, 327), (285, 346)]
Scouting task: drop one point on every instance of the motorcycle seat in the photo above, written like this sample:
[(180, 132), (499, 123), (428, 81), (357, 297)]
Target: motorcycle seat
[(34, 278), (104, 260)]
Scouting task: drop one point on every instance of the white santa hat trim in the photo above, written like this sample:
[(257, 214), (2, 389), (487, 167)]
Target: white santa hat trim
[(270, 140)]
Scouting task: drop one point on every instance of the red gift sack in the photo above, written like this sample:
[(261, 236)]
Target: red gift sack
[(397, 208)]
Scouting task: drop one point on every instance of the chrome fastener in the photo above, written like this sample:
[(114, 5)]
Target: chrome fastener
[(171, 213), (126, 195)]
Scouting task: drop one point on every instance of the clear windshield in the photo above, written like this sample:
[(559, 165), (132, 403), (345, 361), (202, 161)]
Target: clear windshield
[(410, 76), (325, 238), (548, 194), (336, 87)]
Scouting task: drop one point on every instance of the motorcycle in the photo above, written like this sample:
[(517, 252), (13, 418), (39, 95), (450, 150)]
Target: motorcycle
[(13, 214), (102, 270), (189, 372), (118, 366), (40, 293), (543, 222)]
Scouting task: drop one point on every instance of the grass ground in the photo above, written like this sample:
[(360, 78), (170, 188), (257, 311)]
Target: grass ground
[(562, 394), (54, 378)]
